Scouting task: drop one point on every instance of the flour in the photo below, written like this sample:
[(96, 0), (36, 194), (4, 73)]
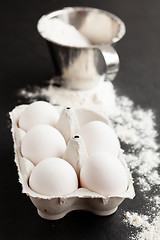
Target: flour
[(151, 231), (136, 128), (60, 32), (105, 28), (137, 220), (91, 98)]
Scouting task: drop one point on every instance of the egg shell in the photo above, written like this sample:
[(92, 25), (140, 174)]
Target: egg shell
[(100, 137), (104, 174), (52, 207), (39, 112), (42, 141), (53, 177)]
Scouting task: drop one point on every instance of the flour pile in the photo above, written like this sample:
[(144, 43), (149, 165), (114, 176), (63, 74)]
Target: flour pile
[(136, 129), (60, 32)]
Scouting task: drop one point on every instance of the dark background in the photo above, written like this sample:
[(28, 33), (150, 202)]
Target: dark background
[(24, 60)]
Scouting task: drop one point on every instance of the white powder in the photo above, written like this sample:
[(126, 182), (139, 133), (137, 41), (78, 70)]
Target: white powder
[(89, 98), (99, 28), (152, 232), (134, 126), (60, 32), (137, 220)]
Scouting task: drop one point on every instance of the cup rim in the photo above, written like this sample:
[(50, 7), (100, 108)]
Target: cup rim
[(118, 37)]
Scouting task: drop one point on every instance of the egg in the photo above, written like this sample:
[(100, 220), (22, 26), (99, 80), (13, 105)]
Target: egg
[(104, 174), (53, 177), (42, 141), (100, 137), (36, 113)]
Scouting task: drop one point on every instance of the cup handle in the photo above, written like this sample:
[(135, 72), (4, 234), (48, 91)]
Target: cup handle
[(112, 61)]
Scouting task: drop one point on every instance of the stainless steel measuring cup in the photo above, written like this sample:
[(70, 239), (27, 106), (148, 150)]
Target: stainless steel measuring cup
[(82, 67)]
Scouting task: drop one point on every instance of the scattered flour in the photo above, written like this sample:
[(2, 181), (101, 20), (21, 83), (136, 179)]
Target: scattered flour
[(152, 232), (137, 220), (136, 129)]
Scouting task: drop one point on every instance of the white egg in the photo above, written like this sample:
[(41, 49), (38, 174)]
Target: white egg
[(53, 177), (100, 137), (42, 141), (104, 174), (38, 113)]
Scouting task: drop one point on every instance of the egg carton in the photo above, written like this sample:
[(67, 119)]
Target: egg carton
[(53, 207)]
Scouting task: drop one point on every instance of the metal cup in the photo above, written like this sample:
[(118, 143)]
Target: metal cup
[(85, 66)]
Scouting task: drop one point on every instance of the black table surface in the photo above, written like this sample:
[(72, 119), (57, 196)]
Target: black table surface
[(24, 60)]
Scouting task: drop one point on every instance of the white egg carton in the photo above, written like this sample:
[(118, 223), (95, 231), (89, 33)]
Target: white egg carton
[(53, 207)]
